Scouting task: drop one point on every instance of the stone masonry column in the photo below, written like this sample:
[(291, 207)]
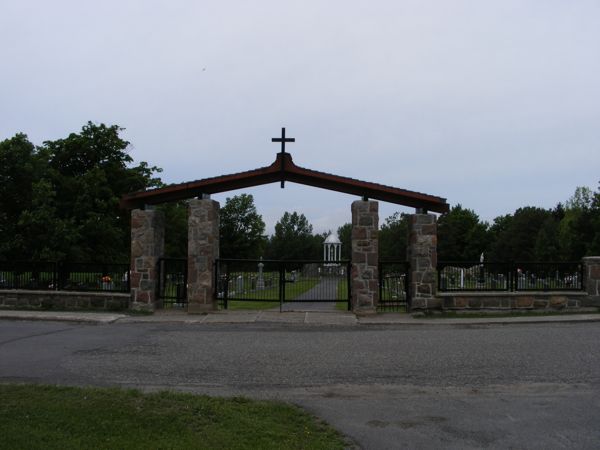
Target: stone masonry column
[(422, 257), (147, 246), (365, 256), (203, 249), (591, 277)]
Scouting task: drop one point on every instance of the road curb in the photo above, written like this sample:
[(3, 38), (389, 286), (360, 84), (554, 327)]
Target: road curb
[(308, 321)]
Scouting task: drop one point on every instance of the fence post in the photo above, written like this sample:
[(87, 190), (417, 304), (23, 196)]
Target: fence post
[(226, 289), (349, 285), (592, 276), (281, 285), (55, 275)]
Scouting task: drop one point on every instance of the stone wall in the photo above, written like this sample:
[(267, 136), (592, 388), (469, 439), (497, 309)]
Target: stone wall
[(422, 257), (513, 300), (365, 256), (203, 250), (147, 246), (63, 300)]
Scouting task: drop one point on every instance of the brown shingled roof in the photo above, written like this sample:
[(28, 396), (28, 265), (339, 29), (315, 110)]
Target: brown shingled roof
[(284, 169)]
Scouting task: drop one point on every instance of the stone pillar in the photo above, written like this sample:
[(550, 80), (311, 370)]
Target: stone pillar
[(591, 276), (365, 256), (203, 250), (422, 257), (147, 246)]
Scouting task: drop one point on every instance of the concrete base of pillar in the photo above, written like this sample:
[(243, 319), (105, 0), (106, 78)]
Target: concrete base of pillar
[(202, 308), (142, 307), (362, 312)]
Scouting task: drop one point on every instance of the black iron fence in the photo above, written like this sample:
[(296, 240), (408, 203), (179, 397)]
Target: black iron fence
[(64, 276), (279, 282), (393, 286), (519, 276), (172, 282)]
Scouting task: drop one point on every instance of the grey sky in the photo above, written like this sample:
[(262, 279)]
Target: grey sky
[(491, 104)]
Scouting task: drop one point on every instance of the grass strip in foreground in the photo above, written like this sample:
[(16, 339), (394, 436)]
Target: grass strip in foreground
[(50, 417)]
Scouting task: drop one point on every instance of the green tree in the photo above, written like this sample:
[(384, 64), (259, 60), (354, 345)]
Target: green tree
[(461, 235), (579, 229), (345, 236), (70, 191), (241, 228), (176, 228), (393, 236), (515, 236), (294, 239), (20, 166), (546, 242)]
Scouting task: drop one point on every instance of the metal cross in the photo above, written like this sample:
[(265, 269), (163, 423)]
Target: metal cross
[(283, 140)]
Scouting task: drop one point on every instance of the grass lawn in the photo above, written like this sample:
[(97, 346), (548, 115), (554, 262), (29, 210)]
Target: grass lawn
[(342, 295), (49, 417)]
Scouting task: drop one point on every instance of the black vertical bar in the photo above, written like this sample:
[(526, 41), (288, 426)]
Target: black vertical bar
[(60, 276), (281, 285), (349, 281), (380, 276), (55, 276), (185, 280), (514, 279), (161, 278), (226, 287), (407, 286)]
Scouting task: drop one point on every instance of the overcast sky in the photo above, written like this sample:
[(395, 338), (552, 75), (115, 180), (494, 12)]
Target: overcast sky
[(491, 104)]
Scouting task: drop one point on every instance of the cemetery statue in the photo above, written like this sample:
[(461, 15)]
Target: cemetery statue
[(481, 270), (260, 283)]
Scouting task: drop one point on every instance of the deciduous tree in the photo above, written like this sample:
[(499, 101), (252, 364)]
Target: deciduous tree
[(241, 228)]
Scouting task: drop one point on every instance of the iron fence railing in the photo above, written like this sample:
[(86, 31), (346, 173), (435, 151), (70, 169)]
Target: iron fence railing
[(548, 276), (64, 276), (394, 286), (172, 281), (503, 276), (281, 281)]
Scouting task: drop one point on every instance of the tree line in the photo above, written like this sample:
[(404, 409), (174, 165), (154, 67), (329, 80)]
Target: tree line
[(60, 201)]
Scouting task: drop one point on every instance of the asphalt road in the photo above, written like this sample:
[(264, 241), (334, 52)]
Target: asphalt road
[(512, 386)]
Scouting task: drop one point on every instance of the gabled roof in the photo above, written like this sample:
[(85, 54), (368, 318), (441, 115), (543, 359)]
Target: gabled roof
[(332, 239), (284, 169)]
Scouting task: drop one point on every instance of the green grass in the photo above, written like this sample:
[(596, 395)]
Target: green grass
[(49, 417), (342, 295)]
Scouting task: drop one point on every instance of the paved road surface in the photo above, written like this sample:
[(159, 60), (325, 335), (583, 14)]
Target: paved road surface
[(386, 387)]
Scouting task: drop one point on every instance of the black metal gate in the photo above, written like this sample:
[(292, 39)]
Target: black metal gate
[(394, 292), (292, 285), (172, 284)]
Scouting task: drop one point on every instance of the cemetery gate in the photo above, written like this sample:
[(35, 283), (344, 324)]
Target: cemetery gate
[(291, 285), (172, 282), (394, 292)]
